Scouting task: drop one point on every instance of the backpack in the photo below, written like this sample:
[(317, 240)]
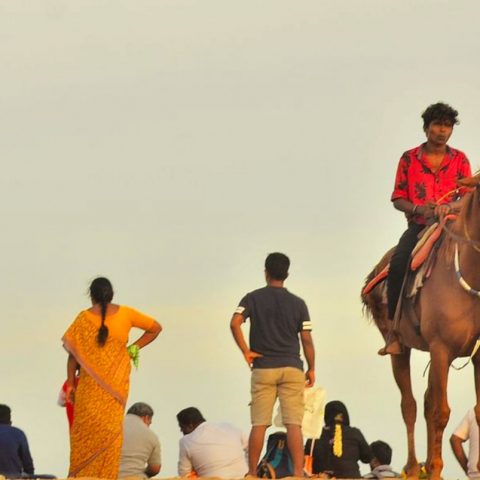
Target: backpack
[(276, 462)]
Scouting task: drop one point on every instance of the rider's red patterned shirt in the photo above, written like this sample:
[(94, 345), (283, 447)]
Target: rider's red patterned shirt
[(417, 183)]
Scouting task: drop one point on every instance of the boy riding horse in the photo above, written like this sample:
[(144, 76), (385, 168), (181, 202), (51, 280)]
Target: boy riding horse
[(425, 187)]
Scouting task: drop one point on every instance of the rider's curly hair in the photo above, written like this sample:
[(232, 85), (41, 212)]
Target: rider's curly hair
[(439, 112)]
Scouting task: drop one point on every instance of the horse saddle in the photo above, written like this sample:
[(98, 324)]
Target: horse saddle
[(430, 237)]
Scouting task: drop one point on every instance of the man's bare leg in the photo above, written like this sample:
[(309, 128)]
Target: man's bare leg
[(255, 445), (295, 447)]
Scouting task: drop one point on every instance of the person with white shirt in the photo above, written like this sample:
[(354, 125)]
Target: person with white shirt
[(467, 430), (141, 455), (210, 449)]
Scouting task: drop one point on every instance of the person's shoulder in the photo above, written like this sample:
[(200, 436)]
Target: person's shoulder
[(295, 297), (228, 426), (456, 152), (152, 436), (127, 311), (259, 291), (18, 432), (354, 430), (412, 152)]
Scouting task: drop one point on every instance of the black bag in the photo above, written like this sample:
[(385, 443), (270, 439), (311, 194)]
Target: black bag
[(277, 462)]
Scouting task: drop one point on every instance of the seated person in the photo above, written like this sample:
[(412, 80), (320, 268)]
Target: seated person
[(210, 449), (15, 458), (141, 456), (340, 446), (380, 463)]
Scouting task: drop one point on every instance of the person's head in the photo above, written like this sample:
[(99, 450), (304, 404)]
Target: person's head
[(101, 293), (382, 453), (189, 419), (438, 122), (142, 410), (439, 112), (276, 266), (336, 413), (5, 415)]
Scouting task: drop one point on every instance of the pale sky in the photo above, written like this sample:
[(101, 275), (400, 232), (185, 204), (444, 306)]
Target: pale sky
[(171, 145)]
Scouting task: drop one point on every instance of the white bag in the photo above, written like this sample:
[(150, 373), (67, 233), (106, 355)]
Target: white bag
[(312, 424)]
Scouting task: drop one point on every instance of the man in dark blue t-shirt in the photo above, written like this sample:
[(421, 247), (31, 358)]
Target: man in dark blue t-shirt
[(277, 320), (15, 458)]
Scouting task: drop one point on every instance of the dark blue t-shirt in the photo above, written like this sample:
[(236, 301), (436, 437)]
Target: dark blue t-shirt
[(15, 457), (276, 318)]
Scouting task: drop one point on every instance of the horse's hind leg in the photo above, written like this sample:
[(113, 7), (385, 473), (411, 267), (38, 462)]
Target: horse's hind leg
[(401, 372), (437, 411)]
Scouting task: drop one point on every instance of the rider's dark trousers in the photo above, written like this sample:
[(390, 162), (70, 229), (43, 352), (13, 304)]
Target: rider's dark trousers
[(398, 265)]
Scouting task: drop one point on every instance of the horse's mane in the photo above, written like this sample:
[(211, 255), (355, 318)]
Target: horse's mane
[(469, 200)]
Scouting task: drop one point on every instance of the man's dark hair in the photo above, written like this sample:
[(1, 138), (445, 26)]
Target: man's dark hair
[(276, 265), (190, 416), (5, 415), (382, 452), (141, 410), (439, 112)]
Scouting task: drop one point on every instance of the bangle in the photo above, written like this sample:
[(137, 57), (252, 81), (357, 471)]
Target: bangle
[(414, 209)]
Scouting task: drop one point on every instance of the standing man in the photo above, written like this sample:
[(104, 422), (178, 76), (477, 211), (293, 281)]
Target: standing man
[(467, 430), (277, 319), (15, 458), (141, 455), (425, 187)]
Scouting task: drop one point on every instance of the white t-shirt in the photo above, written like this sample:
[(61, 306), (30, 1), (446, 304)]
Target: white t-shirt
[(140, 448), (214, 450), (468, 430)]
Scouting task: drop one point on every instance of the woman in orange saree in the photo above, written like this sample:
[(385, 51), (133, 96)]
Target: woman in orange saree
[(97, 344)]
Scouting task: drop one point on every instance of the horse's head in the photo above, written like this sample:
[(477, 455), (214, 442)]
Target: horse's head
[(470, 183), (469, 214)]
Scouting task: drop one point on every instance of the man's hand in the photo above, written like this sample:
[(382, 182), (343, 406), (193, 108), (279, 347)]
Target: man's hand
[(310, 378), (250, 356), (442, 210), (427, 210)]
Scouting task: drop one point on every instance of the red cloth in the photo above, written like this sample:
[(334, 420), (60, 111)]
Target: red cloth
[(416, 182), (68, 405)]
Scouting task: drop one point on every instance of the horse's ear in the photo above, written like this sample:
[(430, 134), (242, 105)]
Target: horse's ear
[(469, 181)]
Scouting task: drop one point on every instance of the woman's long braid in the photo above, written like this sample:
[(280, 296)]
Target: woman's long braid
[(101, 292), (103, 330)]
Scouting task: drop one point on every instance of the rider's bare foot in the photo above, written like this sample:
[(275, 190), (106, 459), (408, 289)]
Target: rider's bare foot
[(393, 347)]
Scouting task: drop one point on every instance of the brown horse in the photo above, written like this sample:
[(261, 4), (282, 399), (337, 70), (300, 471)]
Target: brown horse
[(449, 318)]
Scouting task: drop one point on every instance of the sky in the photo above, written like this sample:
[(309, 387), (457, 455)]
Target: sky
[(170, 145)]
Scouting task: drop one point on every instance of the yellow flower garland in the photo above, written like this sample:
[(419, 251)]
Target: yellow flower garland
[(338, 441)]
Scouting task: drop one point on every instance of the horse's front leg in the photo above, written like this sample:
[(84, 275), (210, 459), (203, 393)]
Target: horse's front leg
[(476, 366), (437, 411), (401, 372)]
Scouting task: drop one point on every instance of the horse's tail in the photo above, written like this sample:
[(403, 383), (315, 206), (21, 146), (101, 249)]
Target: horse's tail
[(372, 301), (369, 307)]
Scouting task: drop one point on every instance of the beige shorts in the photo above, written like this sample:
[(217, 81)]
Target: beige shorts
[(286, 383)]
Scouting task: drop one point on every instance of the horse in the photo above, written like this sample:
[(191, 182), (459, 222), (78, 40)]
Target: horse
[(447, 325)]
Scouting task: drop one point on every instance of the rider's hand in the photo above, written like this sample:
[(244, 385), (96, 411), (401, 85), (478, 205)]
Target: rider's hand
[(442, 210), (427, 210)]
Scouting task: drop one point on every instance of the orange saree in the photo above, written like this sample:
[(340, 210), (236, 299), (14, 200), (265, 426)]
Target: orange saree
[(100, 397)]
